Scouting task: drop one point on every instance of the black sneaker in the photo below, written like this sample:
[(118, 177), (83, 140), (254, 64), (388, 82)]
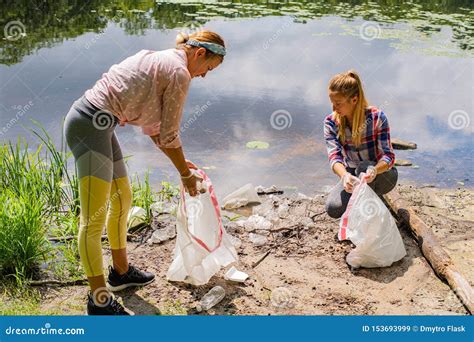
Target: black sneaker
[(110, 308), (133, 277)]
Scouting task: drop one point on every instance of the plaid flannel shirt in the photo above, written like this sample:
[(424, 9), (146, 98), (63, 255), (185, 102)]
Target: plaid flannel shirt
[(375, 144)]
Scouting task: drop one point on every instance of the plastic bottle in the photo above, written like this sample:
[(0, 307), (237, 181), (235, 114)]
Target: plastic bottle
[(210, 299)]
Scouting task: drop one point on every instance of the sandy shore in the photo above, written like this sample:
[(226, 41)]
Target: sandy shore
[(309, 263)]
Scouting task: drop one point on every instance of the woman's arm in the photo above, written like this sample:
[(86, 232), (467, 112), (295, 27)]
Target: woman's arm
[(386, 156), (176, 155), (382, 166), (333, 146), (168, 139), (339, 169), (335, 155)]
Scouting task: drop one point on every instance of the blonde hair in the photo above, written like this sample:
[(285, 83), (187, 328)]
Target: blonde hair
[(348, 84), (201, 36)]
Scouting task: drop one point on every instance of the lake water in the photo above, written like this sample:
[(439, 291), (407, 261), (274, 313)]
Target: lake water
[(416, 62)]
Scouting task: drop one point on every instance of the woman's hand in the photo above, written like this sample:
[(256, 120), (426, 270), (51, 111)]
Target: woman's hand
[(193, 186), (191, 165), (348, 182), (370, 174), (190, 183)]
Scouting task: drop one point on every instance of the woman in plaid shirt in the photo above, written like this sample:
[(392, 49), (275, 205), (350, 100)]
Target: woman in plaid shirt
[(358, 140)]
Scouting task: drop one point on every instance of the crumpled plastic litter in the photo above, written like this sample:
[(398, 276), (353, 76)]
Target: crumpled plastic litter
[(241, 197)]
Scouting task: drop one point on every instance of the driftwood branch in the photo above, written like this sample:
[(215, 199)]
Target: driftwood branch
[(273, 192), (275, 230), (267, 253), (72, 237), (57, 282), (432, 250), (317, 214)]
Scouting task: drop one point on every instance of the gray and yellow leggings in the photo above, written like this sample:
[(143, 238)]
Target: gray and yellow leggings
[(104, 187)]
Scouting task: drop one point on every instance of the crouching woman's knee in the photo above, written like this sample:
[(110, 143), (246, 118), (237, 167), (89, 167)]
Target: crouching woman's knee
[(334, 210), (385, 182)]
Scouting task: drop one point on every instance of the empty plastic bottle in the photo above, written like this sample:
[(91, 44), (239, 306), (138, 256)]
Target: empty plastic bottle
[(210, 299)]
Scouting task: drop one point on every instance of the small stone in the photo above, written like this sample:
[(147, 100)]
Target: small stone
[(257, 240), (403, 162), (261, 190), (399, 144), (161, 207), (256, 222), (236, 242), (163, 234)]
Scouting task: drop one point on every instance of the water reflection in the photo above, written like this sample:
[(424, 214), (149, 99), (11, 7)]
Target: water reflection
[(274, 64), (48, 23)]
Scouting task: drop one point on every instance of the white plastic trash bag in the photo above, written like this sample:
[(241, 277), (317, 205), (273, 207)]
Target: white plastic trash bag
[(202, 245), (371, 227)]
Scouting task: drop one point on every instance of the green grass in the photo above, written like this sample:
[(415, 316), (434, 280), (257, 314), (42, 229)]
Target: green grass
[(39, 200), (37, 193), (173, 308), (168, 192), (144, 196), (15, 300), (25, 172), (23, 240), (62, 182), (64, 257)]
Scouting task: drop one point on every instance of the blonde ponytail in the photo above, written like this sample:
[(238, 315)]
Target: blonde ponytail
[(349, 85), (201, 36), (181, 38)]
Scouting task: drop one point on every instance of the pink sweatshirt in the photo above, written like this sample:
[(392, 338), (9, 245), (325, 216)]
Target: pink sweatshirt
[(147, 90)]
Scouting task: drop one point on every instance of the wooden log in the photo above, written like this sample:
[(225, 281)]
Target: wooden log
[(53, 282), (439, 260)]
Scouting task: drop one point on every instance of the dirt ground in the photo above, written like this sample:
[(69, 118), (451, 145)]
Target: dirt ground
[(305, 272)]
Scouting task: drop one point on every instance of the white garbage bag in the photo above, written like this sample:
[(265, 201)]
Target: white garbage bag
[(371, 227), (202, 244)]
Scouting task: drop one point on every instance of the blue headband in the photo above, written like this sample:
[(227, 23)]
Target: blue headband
[(215, 48)]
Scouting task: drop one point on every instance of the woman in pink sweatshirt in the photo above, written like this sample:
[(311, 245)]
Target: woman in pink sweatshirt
[(148, 90)]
